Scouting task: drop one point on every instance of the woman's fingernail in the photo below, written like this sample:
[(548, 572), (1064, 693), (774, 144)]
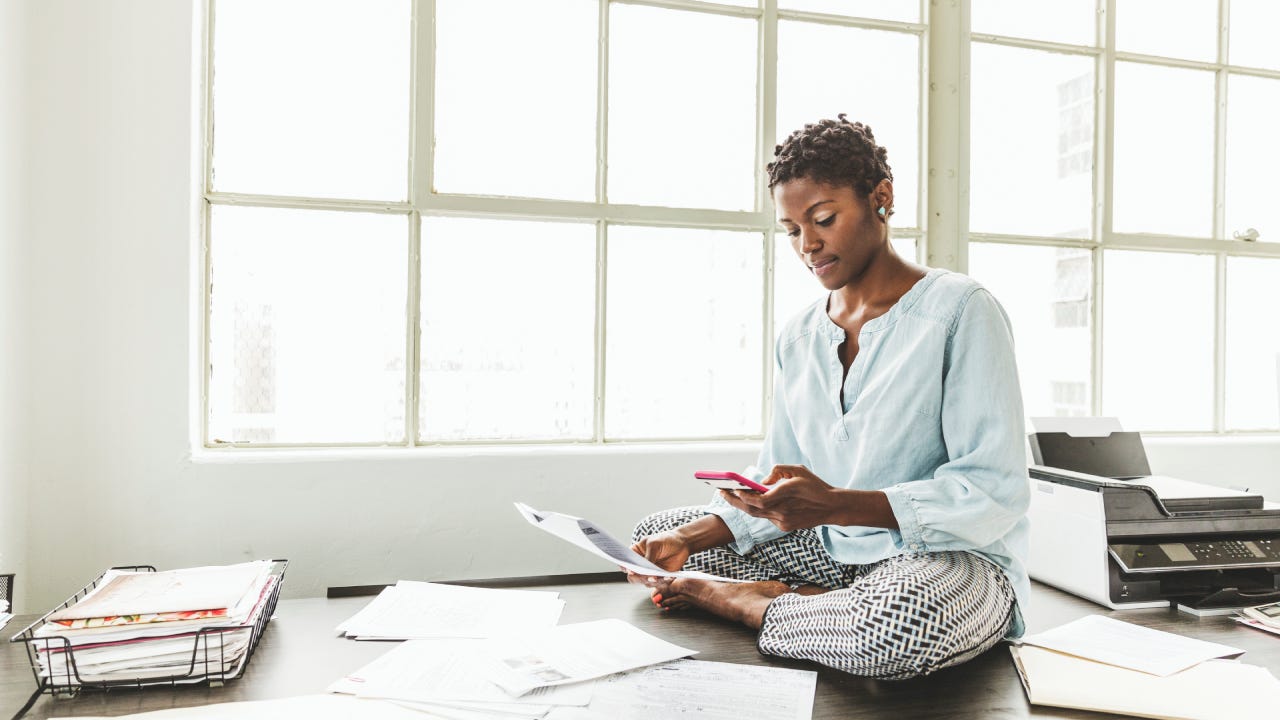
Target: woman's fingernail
[(657, 599)]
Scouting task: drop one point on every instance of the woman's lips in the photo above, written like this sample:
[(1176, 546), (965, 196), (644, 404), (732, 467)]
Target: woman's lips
[(824, 266)]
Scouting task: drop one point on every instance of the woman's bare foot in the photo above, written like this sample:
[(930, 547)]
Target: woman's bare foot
[(740, 602)]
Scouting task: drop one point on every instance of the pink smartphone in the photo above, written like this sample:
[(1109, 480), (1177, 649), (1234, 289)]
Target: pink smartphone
[(729, 481)]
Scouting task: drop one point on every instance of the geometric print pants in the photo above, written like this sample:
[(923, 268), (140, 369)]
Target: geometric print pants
[(899, 618)]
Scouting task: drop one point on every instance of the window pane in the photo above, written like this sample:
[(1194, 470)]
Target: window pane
[(1157, 340), (795, 288), (887, 99), (1170, 28), (516, 114), (1046, 293), (682, 108), (1163, 150), (683, 350), (1253, 343), (1253, 33), (1031, 135), (1073, 22), (900, 10), (508, 327), (1253, 151), (311, 97), (307, 333)]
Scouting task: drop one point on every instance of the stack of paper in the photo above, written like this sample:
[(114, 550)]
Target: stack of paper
[(1262, 617), (416, 610), (146, 625), (1097, 663)]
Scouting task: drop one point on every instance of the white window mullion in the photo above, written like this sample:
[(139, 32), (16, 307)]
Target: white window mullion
[(413, 308), (421, 182), (767, 130), (602, 226), (1104, 187), (1220, 221), (1220, 128), (602, 263), (946, 220), (206, 277), (1220, 344)]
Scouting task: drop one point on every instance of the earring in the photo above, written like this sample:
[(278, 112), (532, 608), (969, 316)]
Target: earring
[(881, 211)]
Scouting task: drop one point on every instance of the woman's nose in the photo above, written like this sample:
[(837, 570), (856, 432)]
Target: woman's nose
[(809, 241)]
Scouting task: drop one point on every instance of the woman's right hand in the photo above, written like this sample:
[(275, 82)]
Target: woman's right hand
[(668, 550)]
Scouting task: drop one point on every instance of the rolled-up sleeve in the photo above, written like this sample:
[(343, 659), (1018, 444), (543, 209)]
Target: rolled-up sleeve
[(981, 491)]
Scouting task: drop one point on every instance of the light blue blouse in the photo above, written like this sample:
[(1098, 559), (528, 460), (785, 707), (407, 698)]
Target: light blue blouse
[(932, 416)]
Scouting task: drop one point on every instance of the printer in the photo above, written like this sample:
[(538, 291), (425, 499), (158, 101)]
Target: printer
[(1104, 528)]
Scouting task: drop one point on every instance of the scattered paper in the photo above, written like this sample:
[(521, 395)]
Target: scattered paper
[(1211, 690), (596, 541), (415, 610), (449, 671), (1126, 645), (573, 653), (712, 690)]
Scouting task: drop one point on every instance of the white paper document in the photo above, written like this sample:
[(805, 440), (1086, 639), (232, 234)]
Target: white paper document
[(1211, 690), (415, 610), (698, 688), (588, 536), (1126, 645), (1171, 488), (450, 671), (573, 653)]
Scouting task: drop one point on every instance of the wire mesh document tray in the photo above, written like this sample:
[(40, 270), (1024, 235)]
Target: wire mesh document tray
[(206, 659)]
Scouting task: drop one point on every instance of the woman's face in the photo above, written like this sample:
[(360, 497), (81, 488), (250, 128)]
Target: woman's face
[(833, 230)]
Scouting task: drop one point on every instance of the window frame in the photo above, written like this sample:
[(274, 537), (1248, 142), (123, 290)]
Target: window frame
[(1220, 245), (424, 201)]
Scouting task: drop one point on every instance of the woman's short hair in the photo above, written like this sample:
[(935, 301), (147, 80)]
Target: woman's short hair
[(835, 152)]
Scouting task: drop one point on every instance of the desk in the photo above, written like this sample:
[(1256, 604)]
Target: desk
[(300, 655)]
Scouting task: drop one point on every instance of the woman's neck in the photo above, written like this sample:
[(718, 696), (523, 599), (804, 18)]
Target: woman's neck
[(886, 279)]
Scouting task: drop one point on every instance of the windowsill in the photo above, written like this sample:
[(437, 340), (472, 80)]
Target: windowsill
[(235, 455)]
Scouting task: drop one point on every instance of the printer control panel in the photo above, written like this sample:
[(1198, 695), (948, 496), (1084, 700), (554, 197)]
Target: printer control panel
[(1203, 554)]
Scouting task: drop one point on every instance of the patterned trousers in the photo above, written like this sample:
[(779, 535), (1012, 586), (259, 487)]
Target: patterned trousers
[(902, 617)]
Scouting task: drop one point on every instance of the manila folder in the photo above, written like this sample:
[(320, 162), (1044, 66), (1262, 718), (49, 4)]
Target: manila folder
[(1211, 690)]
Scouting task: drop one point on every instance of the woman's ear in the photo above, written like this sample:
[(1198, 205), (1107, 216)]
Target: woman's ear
[(882, 199)]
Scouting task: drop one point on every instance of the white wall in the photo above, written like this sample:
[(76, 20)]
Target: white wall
[(112, 251), (13, 296), (113, 480)]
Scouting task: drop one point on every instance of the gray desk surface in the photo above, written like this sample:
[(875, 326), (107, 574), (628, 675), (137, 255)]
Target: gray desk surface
[(299, 655)]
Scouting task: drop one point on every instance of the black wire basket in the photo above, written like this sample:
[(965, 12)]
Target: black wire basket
[(208, 661)]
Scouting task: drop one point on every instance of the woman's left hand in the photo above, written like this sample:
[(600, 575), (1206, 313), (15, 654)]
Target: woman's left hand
[(797, 499)]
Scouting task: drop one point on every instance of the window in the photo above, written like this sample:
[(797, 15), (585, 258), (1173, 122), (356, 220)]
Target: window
[(427, 227), (1127, 146)]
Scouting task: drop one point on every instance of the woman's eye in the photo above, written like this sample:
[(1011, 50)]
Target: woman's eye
[(826, 221), (793, 232)]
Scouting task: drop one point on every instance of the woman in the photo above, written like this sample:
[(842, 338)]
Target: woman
[(893, 537)]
